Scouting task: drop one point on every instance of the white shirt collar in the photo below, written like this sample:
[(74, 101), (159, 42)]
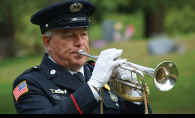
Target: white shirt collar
[(81, 70), (51, 59)]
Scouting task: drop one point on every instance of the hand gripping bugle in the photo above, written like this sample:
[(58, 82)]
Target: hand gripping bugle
[(165, 75)]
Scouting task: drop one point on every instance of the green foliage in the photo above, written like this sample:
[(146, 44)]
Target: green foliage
[(28, 35), (180, 20), (18, 8), (105, 7), (95, 32), (6, 9)]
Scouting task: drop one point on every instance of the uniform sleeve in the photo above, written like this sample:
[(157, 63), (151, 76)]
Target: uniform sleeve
[(127, 107), (135, 108), (131, 108), (34, 101)]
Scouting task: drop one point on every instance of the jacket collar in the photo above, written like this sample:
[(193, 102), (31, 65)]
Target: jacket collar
[(64, 78)]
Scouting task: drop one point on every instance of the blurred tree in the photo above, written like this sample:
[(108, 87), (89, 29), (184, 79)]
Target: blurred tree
[(18, 33), (154, 11), (29, 36), (181, 21), (11, 21), (10, 15), (7, 29)]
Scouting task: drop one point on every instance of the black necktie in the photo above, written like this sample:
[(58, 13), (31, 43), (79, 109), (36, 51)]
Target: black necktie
[(79, 76)]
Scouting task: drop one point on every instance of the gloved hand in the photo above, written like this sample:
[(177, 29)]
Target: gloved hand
[(124, 74), (104, 66)]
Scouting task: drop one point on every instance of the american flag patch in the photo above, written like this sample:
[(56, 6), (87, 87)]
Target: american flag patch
[(20, 89)]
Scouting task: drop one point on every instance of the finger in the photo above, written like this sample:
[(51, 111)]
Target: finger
[(134, 77), (117, 62), (128, 77), (115, 53), (117, 70), (108, 51), (118, 76)]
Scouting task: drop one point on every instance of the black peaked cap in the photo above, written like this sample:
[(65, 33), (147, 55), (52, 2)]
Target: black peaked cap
[(64, 15)]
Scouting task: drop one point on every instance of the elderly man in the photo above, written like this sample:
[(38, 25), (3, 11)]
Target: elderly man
[(63, 83)]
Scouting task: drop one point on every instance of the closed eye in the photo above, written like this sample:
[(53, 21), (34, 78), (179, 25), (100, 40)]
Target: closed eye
[(69, 36), (83, 34)]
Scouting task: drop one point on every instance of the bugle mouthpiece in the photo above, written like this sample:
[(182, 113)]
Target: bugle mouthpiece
[(80, 52)]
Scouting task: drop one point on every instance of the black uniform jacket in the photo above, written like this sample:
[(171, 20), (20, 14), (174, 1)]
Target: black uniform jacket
[(51, 89)]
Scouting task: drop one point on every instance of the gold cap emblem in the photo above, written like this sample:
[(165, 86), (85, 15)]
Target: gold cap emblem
[(76, 7)]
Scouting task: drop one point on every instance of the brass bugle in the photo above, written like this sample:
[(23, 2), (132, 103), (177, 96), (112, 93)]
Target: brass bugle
[(165, 75)]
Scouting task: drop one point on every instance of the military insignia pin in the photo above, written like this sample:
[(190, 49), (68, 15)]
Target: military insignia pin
[(113, 97), (58, 91), (76, 7)]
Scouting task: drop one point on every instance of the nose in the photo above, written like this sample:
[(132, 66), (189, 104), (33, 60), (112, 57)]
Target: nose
[(78, 41)]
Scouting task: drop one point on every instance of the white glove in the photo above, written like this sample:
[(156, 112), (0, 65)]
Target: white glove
[(124, 74), (104, 66)]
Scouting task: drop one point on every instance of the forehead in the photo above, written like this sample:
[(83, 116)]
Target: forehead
[(72, 30)]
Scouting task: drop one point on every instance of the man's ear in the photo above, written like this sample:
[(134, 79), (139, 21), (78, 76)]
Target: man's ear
[(47, 42)]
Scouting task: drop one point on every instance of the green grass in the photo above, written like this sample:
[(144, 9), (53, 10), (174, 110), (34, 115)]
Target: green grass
[(9, 70), (6, 104), (178, 100)]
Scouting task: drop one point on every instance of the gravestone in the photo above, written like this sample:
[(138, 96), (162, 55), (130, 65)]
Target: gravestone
[(108, 30), (161, 46)]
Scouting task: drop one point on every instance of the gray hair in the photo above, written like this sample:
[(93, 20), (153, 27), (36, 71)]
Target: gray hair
[(49, 33)]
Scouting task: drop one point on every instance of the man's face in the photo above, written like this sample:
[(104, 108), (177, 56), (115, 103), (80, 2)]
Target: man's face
[(64, 47)]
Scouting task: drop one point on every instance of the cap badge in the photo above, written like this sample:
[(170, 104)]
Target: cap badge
[(76, 7)]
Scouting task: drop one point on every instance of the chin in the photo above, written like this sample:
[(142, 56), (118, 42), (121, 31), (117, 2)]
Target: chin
[(81, 61)]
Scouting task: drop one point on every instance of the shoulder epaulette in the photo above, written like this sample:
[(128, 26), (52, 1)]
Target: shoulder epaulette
[(33, 68)]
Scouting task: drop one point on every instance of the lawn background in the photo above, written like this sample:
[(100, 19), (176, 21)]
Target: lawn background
[(179, 100)]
